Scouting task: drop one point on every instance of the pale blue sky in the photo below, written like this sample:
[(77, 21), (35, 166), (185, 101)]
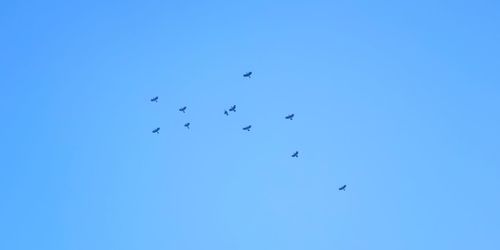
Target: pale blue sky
[(397, 99)]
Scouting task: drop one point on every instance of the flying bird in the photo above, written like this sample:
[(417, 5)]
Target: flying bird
[(247, 128), (183, 109), (248, 74), (296, 154), (233, 108), (156, 130), (155, 99), (187, 125), (343, 188), (225, 112), (290, 117)]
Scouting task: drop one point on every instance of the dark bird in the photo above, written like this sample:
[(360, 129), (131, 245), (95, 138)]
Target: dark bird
[(183, 109), (156, 130), (225, 112), (342, 188), (248, 74), (290, 117), (155, 99), (247, 128), (187, 125), (233, 108), (296, 154)]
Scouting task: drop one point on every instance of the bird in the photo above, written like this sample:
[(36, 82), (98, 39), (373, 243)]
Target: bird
[(290, 117), (296, 154), (156, 130), (225, 112), (187, 125), (154, 99), (183, 109), (248, 74), (247, 128), (233, 108), (343, 188)]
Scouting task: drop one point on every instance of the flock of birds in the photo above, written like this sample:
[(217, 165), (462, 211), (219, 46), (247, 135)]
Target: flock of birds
[(233, 109)]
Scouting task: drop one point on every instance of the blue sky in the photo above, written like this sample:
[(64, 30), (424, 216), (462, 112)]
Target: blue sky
[(397, 99)]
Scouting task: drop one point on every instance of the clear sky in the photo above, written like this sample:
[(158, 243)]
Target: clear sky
[(397, 99)]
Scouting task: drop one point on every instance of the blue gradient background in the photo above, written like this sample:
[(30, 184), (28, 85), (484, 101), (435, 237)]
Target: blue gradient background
[(397, 99)]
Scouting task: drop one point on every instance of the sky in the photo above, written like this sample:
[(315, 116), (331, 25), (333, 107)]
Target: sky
[(399, 100)]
